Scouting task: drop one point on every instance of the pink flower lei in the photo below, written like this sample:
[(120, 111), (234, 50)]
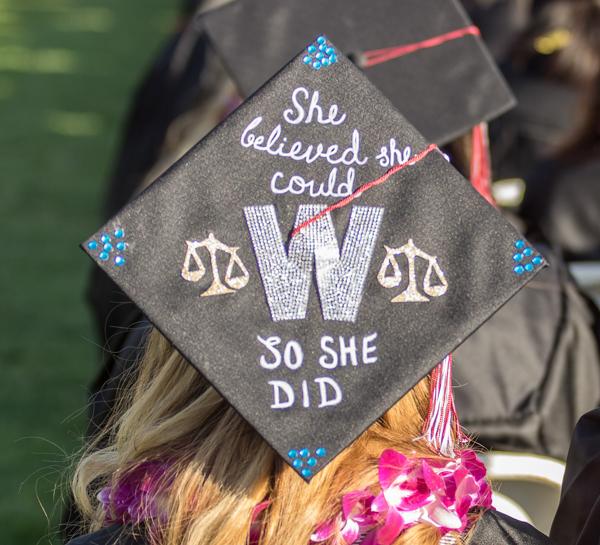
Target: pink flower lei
[(135, 497), (434, 491)]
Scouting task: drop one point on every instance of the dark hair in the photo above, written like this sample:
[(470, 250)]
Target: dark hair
[(562, 41)]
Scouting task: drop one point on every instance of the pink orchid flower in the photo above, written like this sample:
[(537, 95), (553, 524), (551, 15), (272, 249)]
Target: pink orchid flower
[(355, 521)]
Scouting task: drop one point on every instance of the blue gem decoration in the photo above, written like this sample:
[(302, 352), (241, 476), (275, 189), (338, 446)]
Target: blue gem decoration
[(105, 247), (303, 461), (526, 263), (321, 54)]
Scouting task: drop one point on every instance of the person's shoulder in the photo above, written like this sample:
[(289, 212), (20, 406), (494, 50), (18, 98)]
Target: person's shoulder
[(495, 528), (112, 535)]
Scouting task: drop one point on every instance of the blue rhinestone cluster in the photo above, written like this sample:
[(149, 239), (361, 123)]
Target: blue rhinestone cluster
[(320, 54), (526, 259), (303, 460), (106, 246)]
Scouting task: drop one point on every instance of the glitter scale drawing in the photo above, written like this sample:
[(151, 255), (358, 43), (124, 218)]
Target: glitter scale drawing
[(231, 283)]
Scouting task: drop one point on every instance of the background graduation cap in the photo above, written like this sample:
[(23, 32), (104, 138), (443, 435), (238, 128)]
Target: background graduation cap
[(424, 55), (314, 257)]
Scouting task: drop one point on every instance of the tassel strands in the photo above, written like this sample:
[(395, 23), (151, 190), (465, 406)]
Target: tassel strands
[(441, 426)]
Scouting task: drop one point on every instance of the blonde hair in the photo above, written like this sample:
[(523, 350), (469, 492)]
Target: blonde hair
[(221, 468)]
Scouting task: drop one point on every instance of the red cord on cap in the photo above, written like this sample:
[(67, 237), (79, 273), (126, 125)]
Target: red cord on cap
[(358, 192), (378, 56)]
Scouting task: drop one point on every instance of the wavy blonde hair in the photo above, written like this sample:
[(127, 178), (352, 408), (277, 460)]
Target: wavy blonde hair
[(221, 468)]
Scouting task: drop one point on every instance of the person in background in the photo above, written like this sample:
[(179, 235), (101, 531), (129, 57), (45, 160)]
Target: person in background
[(184, 95), (314, 402), (178, 451), (562, 201), (189, 91)]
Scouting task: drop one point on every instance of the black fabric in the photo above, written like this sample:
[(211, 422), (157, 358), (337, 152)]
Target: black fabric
[(216, 189), (443, 91), (496, 528), (577, 520), (528, 374), (112, 535), (562, 202)]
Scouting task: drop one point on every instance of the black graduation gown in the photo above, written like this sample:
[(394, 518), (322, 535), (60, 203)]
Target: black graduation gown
[(496, 528), (528, 374), (493, 529), (577, 520), (111, 535)]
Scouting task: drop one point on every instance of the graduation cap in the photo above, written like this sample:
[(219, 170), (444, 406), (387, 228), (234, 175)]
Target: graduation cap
[(314, 257), (424, 55)]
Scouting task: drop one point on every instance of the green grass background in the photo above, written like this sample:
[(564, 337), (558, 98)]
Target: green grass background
[(67, 71)]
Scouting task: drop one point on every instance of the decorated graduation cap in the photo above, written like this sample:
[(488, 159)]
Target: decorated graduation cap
[(314, 257), (424, 55)]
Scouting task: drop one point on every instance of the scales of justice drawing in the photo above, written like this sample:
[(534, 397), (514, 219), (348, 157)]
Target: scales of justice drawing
[(412, 294), (231, 283)]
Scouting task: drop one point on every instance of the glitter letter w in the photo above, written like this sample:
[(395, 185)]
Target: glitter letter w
[(287, 276)]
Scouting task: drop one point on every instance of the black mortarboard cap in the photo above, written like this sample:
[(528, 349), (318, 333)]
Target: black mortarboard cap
[(314, 257), (424, 55)]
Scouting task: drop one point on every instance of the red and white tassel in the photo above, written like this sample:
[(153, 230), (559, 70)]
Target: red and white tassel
[(441, 426)]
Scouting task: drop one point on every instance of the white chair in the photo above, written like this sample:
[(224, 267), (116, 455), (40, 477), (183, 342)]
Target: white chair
[(587, 275), (526, 486)]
